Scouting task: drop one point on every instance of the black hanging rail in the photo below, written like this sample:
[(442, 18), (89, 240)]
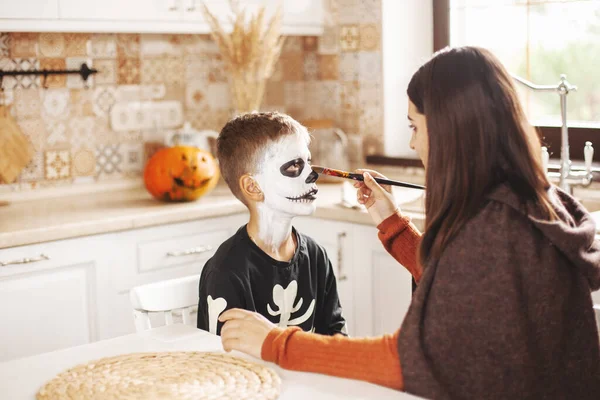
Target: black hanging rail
[(84, 71)]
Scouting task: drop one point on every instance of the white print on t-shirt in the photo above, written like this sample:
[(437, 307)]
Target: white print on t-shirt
[(284, 300), (215, 308)]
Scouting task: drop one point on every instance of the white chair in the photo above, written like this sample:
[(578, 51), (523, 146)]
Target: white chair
[(168, 297)]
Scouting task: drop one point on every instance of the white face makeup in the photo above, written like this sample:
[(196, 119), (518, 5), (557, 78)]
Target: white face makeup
[(288, 185), (285, 176)]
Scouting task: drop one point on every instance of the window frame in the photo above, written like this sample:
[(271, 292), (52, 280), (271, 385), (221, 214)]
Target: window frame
[(550, 135)]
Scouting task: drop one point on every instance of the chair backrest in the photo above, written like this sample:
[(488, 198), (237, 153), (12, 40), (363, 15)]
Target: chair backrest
[(170, 297)]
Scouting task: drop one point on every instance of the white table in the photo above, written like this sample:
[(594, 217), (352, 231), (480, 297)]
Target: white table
[(21, 379)]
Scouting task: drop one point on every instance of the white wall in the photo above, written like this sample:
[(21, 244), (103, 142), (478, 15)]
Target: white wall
[(407, 40)]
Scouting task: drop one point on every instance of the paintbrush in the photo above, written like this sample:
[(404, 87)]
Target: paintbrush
[(359, 177)]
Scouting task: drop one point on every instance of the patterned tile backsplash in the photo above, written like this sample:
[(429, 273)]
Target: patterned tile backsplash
[(336, 76)]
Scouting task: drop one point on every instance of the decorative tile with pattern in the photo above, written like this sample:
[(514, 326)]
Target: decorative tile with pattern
[(311, 66), (57, 134), (196, 94), (153, 70), (198, 45), (371, 122), (103, 45), (293, 44), (56, 103), (274, 94), (75, 81), (23, 44), (160, 45), (349, 96), (327, 96), (128, 45), (132, 154), (349, 67), (4, 44), (35, 130), (349, 37), (370, 67), (292, 66), (82, 102), (370, 37), (82, 132), (370, 11), (34, 171), (57, 164), (131, 136), (104, 98), (107, 71), (294, 94), (329, 42), (54, 81), (348, 11), (27, 103), (20, 81), (76, 44), (84, 162), (198, 118), (219, 96), (311, 43), (52, 44), (349, 121), (103, 132), (128, 71), (370, 95), (175, 71), (328, 67), (108, 160)]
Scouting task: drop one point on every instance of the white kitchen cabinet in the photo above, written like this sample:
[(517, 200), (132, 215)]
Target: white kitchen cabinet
[(76, 291), (385, 284), (148, 16), (50, 295), (375, 290), (337, 239), (29, 9)]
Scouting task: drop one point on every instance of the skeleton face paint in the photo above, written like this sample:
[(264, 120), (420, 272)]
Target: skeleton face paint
[(285, 176)]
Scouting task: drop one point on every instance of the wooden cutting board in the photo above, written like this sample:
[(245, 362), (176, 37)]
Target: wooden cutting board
[(15, 149)]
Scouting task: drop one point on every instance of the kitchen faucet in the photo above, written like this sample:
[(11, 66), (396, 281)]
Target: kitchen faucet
[(567, 176)]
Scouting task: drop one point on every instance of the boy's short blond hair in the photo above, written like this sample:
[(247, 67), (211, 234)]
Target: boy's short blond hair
[(243, 140)]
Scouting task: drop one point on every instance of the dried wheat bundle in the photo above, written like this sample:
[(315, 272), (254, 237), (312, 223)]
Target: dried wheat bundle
[(250, 52)]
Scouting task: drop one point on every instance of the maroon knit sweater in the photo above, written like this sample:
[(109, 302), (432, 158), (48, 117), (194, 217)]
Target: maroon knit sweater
[(506, 312)]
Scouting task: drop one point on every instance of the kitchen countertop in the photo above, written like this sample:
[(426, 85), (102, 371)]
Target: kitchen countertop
[(43, 219)]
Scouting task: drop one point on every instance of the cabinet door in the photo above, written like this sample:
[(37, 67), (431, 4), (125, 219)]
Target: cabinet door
[(118, 10), (303, 16), (29, 9), (50, 301), (385, 285), (336, 238)]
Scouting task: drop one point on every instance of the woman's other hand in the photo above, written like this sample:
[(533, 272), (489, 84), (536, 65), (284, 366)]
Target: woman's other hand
[(378, 199), (244, 331)]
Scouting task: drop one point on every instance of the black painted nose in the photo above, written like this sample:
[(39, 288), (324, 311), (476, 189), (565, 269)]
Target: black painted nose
[(312, 177)]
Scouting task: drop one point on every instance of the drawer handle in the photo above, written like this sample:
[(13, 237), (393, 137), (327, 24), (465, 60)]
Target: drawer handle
[(340, 255), (26, 260), (193, 250)]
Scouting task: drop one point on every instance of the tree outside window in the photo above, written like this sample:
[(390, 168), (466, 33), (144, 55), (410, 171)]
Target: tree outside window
[(539, 40)]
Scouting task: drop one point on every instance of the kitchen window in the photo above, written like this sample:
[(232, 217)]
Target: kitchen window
[(537, 40)]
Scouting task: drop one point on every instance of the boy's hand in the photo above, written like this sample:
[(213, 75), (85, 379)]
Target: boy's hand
[(244, 331), (378, 200)]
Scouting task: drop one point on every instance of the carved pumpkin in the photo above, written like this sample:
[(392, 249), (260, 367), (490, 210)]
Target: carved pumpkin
[(180, 173)]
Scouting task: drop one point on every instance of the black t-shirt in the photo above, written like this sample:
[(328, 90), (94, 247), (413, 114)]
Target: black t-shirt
[(301, 292)]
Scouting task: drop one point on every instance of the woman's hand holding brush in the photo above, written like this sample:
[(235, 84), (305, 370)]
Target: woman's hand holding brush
[(378, 199)]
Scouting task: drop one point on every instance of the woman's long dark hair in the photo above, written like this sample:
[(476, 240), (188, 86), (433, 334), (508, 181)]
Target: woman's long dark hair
[(479, 138)]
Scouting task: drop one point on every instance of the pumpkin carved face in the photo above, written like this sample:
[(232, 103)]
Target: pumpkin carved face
[(180, 173)]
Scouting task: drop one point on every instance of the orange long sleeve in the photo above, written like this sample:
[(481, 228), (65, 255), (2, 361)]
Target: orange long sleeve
[(373, 360), (401, 239)]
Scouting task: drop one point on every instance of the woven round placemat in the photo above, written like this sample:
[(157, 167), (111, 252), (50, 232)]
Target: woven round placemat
[(169, 375)]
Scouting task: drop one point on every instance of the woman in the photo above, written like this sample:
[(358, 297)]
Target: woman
[(503, 309)]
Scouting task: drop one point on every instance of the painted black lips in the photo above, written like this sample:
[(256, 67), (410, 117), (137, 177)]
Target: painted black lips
[(310, 195)]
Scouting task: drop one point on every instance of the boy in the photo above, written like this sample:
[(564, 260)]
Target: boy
[(268, 266)]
